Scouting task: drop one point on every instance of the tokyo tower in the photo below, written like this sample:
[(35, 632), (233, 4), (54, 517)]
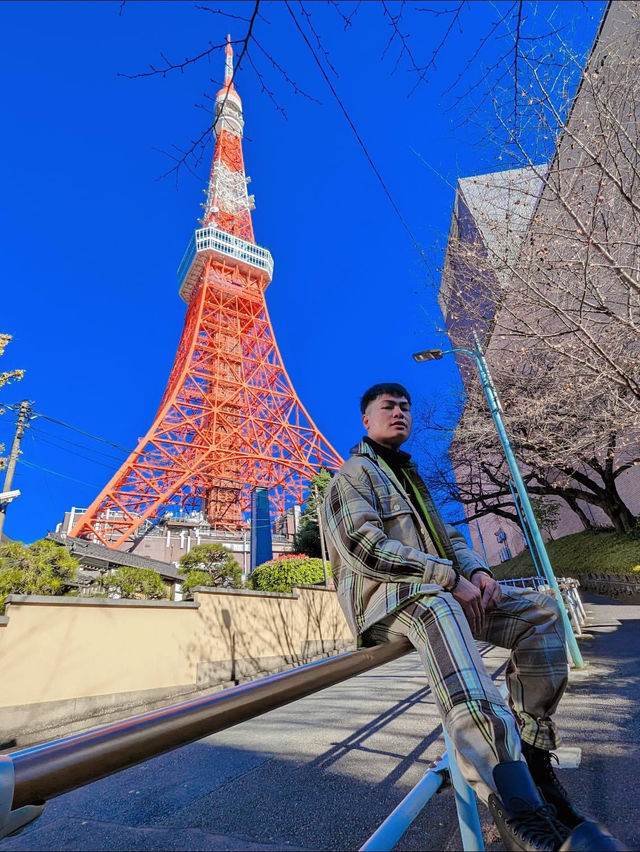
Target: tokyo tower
[(230, 419)]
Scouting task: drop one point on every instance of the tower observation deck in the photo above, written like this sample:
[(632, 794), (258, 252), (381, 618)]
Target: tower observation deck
[(212, 243), (230, 419)]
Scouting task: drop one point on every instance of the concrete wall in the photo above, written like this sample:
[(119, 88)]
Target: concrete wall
[(70, 663), (624, 587)]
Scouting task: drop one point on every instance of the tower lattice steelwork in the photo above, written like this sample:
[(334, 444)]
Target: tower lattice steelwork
[(230, 418)]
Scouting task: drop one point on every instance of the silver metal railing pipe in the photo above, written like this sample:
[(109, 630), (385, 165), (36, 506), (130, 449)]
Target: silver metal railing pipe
[(55, 767)]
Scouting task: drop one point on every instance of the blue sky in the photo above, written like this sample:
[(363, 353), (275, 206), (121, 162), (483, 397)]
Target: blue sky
[(91, 237)]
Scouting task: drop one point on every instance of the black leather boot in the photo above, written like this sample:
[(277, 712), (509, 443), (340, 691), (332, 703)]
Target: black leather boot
[(526, 823), (586, 835), (541, 768), (592, 836)]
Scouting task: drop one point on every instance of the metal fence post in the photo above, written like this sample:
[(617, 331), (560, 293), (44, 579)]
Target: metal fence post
[(466, 805)]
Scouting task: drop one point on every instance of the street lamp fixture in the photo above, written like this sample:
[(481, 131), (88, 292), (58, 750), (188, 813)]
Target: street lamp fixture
[(494, 407), (428, 355)]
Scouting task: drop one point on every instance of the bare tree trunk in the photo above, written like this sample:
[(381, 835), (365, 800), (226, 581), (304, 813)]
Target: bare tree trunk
[(615, 508), (585, 520)]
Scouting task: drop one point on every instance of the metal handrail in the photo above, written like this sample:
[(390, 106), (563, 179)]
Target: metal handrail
[(44, 771)]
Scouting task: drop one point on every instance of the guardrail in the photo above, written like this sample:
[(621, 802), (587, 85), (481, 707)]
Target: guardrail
[(399, 820), (29, 777), (525, 582)]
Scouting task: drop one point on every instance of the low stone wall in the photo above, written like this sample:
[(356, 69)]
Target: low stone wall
[(619, 586), (67, 664)]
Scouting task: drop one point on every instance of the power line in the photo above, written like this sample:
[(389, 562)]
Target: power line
[(126, 450), (46, 485), (86, 434), (56, 473), (355, 131), (42, 432), (58, 446)]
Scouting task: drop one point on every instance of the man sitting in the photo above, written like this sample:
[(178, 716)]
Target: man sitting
[(400, 571)]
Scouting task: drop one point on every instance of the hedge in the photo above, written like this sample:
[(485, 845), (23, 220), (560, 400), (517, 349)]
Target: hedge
[(279, 575)]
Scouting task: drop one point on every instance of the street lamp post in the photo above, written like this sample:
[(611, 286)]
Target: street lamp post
[(244, 553), (495, 408), (321, 535)]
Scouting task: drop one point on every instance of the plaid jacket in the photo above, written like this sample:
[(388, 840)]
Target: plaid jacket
[(382, 555)]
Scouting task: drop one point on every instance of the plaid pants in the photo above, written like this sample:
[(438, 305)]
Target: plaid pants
[(482, 728)]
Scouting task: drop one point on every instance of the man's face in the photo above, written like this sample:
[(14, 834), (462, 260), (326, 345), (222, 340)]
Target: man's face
[(388, 420)]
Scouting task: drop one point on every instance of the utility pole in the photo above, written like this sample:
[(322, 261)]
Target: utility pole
[(321, 534), (23, 419)]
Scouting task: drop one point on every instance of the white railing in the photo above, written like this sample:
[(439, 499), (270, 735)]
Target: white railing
[(212, 239)]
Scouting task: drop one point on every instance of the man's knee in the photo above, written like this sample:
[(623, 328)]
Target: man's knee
[(550, 606), (526, 599), (537, 615), (441, 607), (551, 602)]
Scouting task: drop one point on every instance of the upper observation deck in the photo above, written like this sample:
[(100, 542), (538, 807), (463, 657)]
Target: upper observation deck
[(212, 242)]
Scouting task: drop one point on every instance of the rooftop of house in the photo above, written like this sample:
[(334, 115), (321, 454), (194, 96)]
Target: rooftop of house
[(97, 555)]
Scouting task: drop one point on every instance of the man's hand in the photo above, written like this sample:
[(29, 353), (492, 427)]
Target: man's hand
[(469, 597), (490, 589)]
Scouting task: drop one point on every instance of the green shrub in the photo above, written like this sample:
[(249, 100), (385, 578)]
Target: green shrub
[(278, 575), (41, 568), (193, 579), (131, 582), (11, 583), (307, 539), (209, 565)]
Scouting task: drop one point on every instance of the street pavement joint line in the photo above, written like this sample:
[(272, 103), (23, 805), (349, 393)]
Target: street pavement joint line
[(242, 842), (234, 778), (380, 751)]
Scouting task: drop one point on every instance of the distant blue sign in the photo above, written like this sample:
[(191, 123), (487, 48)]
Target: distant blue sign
[(261, 547)]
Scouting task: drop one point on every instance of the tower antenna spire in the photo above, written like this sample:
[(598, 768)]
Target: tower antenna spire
[(228, 67)]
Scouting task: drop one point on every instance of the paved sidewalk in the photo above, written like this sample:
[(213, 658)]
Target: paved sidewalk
[(322, 774)]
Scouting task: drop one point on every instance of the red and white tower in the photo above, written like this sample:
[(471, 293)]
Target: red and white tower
[(230, 418)]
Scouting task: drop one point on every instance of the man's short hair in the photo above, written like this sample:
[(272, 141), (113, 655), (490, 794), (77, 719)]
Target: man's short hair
[(392, 388)]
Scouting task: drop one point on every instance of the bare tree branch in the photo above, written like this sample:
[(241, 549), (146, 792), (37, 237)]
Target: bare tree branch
[(221, 12), (543, 261), (296, 89), (265, 89), (321, 48), (346, 18), (197, 147), (354, 129), (516, 54)]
